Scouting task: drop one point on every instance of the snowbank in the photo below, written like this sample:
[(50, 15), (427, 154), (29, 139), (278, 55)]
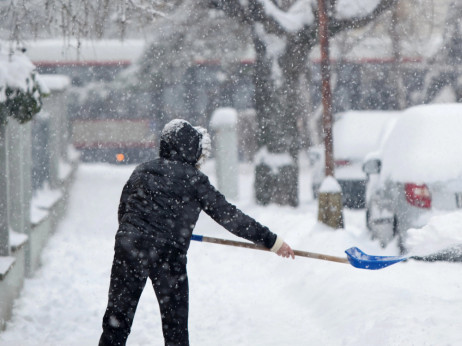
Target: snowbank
[(441, 233), (240, 297)]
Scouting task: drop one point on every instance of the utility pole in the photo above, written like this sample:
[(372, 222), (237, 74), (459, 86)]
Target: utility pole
[(330, 211), (326, 90)]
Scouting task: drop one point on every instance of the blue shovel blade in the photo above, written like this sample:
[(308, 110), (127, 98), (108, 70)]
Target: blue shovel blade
[(359, 259)]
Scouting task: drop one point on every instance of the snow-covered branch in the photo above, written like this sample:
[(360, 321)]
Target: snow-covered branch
[(20, 88), (19, 19), (299, 17)]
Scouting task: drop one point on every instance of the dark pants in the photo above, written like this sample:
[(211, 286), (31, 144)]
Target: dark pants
[(135, 259)]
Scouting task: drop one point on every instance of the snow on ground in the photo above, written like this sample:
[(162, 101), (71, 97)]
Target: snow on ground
[(239, 296)]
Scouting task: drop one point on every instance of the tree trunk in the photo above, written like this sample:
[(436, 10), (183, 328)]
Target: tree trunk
[(278, 109)]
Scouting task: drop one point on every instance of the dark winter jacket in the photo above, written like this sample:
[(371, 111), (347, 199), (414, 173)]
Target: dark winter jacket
[(163, 198)]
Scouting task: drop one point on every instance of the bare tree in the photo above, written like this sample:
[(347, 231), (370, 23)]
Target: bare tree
[(283, 34), (22, 19), (444, 72)]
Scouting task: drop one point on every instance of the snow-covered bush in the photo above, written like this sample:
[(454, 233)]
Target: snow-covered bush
[(20, 90)]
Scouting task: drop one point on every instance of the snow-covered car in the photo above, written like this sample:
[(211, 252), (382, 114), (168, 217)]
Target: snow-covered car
[(355, 133), (416, 173)]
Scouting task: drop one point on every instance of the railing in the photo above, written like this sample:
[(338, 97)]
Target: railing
[(36, 160)]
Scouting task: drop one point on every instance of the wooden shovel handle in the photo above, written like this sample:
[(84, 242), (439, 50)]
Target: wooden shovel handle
[(262, 248)]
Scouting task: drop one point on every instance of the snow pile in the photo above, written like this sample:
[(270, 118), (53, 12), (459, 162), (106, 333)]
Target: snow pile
[(425, 145), (330, 185), (223, 117), (42, 201), (274, 160), (441, 233), (17, 239)]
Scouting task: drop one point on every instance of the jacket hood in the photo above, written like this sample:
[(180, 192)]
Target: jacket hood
[(180, 141)]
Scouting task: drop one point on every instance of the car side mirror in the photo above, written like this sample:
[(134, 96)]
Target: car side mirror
[(372, 166)]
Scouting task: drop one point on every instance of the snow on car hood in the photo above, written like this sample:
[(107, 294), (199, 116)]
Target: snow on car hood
[(425, 145)]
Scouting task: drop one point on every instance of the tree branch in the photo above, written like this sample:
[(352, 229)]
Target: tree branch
[(338, 25)]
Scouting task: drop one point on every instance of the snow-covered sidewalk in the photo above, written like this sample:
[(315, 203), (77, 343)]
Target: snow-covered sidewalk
[(238, 296)]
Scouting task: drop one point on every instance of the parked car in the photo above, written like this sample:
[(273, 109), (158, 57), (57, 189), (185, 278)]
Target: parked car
[(355, 133), (416, 172)]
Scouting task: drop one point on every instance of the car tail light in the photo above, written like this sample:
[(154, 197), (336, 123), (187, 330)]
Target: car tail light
[(418, 195), (341, 163)]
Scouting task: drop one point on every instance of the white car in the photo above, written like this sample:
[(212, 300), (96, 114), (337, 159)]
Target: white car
[(416, 173), (355, 133)]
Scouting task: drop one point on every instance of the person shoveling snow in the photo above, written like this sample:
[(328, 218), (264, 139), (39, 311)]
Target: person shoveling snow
[(158, 209)]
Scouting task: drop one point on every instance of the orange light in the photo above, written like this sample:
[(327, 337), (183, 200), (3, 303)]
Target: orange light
[(120, 157)]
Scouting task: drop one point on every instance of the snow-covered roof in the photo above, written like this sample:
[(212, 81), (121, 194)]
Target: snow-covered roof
[(57, 51)]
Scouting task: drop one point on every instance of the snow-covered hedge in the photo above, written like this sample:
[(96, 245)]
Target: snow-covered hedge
[(20, 89)]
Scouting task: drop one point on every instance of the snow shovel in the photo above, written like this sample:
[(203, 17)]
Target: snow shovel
[(355, 256), (359, 259)]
